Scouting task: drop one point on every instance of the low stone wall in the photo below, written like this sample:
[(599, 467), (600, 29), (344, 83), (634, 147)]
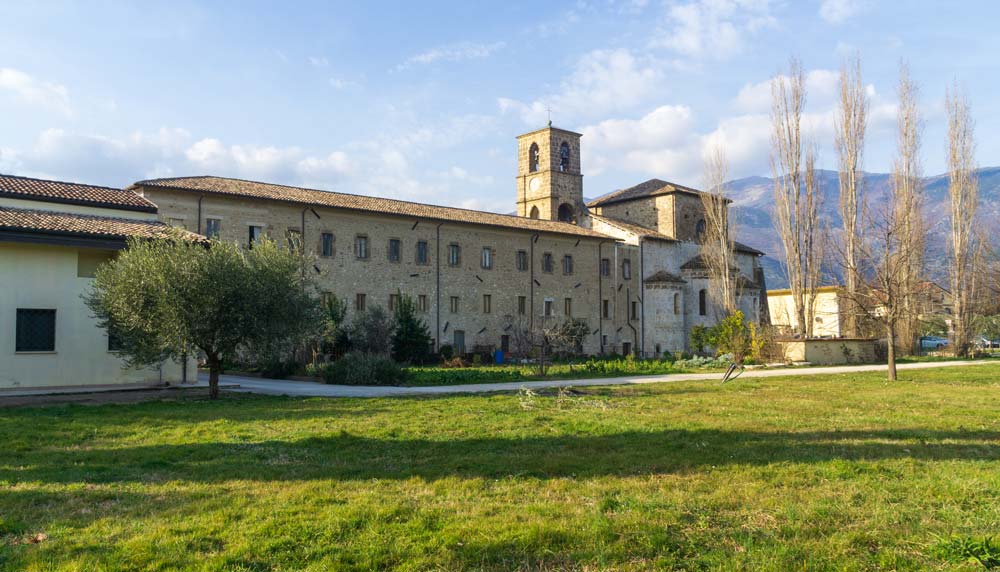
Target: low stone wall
[(828, 351)]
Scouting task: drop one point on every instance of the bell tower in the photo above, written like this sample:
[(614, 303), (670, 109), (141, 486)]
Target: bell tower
[(549, 181)]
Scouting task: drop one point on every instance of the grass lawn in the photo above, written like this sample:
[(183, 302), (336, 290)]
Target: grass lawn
[(819, 473)]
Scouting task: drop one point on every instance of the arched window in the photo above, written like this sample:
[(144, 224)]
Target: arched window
[(702, 302), (566, 213), (677, 303), (534, 212), (564, 156), (533, 158), (699, 229)]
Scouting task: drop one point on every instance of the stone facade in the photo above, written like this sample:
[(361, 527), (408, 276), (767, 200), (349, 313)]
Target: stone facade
[(609, 275)]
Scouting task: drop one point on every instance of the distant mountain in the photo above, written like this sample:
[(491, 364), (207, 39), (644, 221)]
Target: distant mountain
[(753, 203)]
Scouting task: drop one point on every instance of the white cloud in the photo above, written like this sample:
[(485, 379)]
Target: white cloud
[(837, 11), (602, 82), (658, 142), (34, 91), (821, 89), (318, 61), (452, 53), (714, 29)]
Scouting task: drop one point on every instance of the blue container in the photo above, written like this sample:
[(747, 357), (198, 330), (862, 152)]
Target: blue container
[(498, 357)]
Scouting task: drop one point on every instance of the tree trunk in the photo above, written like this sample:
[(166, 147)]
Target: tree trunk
[(891, 352), (214, 368)]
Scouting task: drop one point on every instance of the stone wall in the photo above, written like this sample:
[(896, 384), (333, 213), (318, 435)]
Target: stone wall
[(345, 275), (828, 351)]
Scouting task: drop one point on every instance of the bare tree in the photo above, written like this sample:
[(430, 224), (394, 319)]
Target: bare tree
[(883, 253), (851, 124), (908, 200), (796, 196), (717, 248), (963, 194)]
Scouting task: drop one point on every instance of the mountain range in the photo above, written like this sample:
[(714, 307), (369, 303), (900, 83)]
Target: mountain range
[(753, 203)]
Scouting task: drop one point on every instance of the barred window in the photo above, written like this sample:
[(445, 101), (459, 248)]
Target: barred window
[(568, 307), (453, 304), (359, 302), (36, 330), (361, 247), (394, 249), (627, 269), (547, 262), (487, 260), (454, 255), (422, 302), (605, 267), (212, 227), (393, 302), (326, 248), (522, 305), (567, 264), (422, 256), (487, 304), (522, 260)]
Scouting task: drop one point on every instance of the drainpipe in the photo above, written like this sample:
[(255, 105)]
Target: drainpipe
[(202, 197), (531, 275), (437, 290), (628, 317), (642, 296), (600, 298)]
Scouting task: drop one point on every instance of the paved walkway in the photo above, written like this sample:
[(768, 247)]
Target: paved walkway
[(312, 389)]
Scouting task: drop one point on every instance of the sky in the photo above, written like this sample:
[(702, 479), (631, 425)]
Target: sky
[(423, 100)]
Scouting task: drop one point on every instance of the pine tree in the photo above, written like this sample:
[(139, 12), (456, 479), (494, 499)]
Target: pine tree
[(411, 340)]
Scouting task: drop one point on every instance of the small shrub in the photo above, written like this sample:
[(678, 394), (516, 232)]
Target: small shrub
[(983, 551), (455, 362), (279, 369), (358, 368), (446, 351)]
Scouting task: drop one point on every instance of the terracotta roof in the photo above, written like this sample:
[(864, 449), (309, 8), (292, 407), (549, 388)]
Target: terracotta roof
[(72, 193), (634, 228), (662, 276), (650, 188), (50, 222), (303, 196)]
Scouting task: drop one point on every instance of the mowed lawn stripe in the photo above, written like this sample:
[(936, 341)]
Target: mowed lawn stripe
[(838, 472)]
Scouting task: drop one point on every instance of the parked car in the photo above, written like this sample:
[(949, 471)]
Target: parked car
[(982, 342), (933, 343)]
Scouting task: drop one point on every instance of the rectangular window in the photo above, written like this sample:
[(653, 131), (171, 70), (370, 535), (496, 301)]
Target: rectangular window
[(393, 302), (548, 308), (604, 340), (359, 302), (626, 269), (453, 304), (395, 246), (567, 264), (568, 307), (522, 305), (606, 308), (547, 263), (635, 311), (294, 238), (326, 245), (487, 259), (326, 298), (114, 342), (35, 330), (487, 304), (522, 260), (454, 255), (605, 267), (361, 247), (422, 256), (212, 227), (254, 234), (422, 302)]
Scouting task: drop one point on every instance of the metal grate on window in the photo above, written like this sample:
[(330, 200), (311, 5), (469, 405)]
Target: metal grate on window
[(36, 330)]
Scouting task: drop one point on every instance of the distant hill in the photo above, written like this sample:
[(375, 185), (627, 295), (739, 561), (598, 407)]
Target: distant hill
[(753, 202)]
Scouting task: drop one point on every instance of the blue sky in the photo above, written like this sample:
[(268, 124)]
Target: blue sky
[(422, 100)]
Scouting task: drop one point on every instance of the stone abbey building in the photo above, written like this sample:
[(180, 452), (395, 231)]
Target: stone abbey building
[(627, 264)]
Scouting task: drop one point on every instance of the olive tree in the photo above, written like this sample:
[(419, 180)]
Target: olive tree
[(171, 298)]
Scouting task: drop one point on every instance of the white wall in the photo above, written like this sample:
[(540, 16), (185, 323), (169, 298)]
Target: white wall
[(37, 276)]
